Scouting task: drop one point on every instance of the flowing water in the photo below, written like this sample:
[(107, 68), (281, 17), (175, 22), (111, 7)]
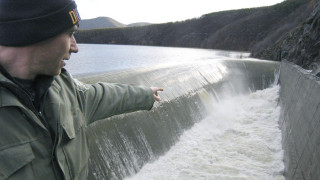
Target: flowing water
[(216, 120), (240, 139)]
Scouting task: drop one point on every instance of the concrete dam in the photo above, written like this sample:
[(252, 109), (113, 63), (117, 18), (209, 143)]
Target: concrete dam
[(299, 122), (122, 145)]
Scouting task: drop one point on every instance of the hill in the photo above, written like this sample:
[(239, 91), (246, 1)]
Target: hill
[(250, 29), (99, 22), (106, 22)]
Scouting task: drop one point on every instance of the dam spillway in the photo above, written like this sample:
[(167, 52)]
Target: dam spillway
[(122, 144)]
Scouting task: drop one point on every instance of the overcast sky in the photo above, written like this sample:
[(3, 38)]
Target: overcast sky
[(160, 11)]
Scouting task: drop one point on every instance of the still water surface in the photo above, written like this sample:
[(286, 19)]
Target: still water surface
[(93, 58)]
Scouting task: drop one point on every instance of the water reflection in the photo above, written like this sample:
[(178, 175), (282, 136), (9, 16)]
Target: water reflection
[(93, 58)]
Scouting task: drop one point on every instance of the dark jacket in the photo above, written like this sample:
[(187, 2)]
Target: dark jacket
[(30, 150)]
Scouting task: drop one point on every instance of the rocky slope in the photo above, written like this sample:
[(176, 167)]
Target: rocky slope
[(301, 45)]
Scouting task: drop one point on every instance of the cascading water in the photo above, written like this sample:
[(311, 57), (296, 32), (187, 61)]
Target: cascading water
[(240, 139), (209, 124)]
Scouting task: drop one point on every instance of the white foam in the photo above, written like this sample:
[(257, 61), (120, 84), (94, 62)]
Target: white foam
[(239, 140)]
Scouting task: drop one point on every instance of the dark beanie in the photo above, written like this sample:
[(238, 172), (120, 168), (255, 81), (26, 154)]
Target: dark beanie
[(25, 22)]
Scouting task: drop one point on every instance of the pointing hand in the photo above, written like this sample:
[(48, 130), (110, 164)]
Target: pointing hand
[(155, 93)]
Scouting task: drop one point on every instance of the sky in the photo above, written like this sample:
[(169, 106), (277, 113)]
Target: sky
[(160, 11)]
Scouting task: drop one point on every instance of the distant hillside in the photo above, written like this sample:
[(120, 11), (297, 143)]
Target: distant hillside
[(106, 22), (139, 24), (246, 29), (99, 22)]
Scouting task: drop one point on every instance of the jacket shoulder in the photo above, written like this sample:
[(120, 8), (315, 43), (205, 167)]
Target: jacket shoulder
[(64, 80), (67, 79)]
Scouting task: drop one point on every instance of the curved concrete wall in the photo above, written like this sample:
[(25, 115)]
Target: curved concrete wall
[(121, 145), (300, 122)]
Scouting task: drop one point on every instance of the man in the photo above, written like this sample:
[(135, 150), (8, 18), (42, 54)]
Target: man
[(43, 111)]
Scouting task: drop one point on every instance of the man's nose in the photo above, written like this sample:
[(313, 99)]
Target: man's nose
[(73, 45)]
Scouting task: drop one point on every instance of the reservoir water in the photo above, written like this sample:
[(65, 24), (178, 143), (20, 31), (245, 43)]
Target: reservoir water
[(238, 139), (94, 58)]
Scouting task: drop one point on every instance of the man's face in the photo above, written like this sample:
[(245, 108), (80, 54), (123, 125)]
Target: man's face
[(53, 52)]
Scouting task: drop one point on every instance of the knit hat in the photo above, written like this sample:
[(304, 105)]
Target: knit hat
[(25, 22)]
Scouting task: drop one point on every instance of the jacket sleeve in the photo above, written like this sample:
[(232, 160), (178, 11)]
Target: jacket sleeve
[(102, 100)]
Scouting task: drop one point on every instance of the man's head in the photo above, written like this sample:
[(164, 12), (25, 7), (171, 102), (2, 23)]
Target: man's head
[(25, 22), (36, 36)]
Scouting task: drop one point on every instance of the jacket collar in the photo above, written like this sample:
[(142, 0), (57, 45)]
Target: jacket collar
[(5, 76), (42, 84), (9, 98), (10, 87), (14, 94)]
